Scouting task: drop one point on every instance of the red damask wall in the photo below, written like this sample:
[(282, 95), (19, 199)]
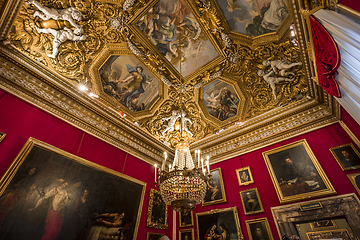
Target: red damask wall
[(20, 120), (354, 4)]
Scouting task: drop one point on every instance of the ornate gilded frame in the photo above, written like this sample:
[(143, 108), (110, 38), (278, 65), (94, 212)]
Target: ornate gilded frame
[(317, 233), (258, 199), (148, 235), (353, 181), (149, 221), (216, 211), (191, 230), (250, 175), (2, 136), (259, 220), (313, 227), (186, 225), (32, 143), (332, 150), (295, 197), (222, 191)]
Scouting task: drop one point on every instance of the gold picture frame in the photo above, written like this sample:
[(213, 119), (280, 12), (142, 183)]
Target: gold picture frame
[(347, 156), (296, 173), (157, 211), (186, 218), (259, 227), (154, 236), (41, 174), (215, 191), (251, 201), (2, 136), (189, 233), (323, 225), (244, 176), (330, 234), (355, 180)]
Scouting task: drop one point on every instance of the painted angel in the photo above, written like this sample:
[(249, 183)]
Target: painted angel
[(136, 82)]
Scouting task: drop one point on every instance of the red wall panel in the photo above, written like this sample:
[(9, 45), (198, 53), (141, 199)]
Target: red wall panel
[(351, 4)]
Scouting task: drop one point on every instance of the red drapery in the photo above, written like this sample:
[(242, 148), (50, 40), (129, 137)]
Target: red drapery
[(327, 58)]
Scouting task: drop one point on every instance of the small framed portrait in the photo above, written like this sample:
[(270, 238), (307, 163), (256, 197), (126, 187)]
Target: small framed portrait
[(251, 201), (186, 218), (2, 136), (355, 180), (244, 176), (347, 156), (215, 191), (157, 211), (342, 234), (322, 225), (259, 229), (187, 234), (154, 236), (296, 173)]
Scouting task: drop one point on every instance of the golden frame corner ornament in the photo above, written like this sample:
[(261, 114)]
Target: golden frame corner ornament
[(38, 163), (265, 225), (191, 219), (191, 231), (335, 151), (258, 207), (304, 160), (355, 180), (243, 180), (154, 198), (2, 136), (317, 228), (218, 179)]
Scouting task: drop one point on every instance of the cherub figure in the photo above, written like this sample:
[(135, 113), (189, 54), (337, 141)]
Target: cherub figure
[(172, 119), (61, 36), (68, 14), (273, 80), (184, 120), (281, 65)]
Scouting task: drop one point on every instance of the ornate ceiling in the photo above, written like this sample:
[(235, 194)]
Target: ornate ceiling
[(237, 73)]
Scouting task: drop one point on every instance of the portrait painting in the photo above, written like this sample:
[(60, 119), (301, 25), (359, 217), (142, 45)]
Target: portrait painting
[(2, 136), (219, 222), (186, 218), (154, 236), (259, 229), (187, 234), (254, 17), (244, 176), (127, 81), (177, 35), (347, 156), (322, 225), (296, 173), (342, 234), (157, 211), (221, 100), (215, 191), (355, 180), (48, 193), (251, 201)]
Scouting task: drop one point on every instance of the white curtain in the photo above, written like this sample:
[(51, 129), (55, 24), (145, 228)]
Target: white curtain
[(346, 33)]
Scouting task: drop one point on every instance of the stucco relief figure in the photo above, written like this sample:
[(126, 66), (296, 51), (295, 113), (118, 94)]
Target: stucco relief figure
[(281, 65), (272, 79), (184, 121), (171, 122)]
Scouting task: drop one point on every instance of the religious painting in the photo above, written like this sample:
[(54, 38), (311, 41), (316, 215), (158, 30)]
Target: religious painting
[(127, 81), (223, 222), (342, 234), (347, 156), (355, 180), (177, 35), (244, 176), (251, 201), (2, 136), (157, 211), (221, 100), (259, 229), (296, 173), (154, 236), (254, 17), (215, 191), (48, 193), (187, 234), (322, 225), (186, 218)]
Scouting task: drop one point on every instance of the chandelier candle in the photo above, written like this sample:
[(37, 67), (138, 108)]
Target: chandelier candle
[(155, 171)]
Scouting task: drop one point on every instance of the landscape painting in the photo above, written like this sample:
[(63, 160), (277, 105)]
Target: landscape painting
[(129, 82), (254, 17), (176, 34)]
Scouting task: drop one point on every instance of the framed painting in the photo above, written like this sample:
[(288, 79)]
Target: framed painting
[(347, 156), (2, 136), (154, 236), (244, 176), (215, 191), (296, 173), (186, 218), (187, 234), (223, 222), (322, 225), (259, 229), (157, 211), (251, 201), (355, 180), (331, 234), (56, 195)]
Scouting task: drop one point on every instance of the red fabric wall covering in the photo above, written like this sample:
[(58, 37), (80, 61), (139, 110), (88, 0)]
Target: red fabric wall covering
[(351, 4), (20, 120)]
